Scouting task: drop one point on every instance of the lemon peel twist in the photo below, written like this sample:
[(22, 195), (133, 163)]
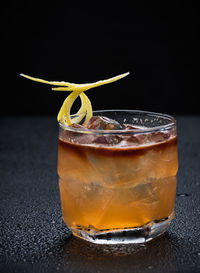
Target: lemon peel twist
[(85, 110)]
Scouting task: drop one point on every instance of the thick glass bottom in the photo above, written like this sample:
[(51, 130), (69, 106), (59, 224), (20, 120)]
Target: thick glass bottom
[(135, 235)]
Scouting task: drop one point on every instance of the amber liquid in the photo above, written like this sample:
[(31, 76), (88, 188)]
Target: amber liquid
[(109, 188)]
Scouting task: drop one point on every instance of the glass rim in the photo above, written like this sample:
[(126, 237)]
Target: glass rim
[(163, 127)]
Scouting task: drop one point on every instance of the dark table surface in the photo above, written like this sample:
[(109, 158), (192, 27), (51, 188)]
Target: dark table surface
[(33, 237)]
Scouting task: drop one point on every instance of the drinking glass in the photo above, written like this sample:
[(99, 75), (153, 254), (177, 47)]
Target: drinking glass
[(119, 186)]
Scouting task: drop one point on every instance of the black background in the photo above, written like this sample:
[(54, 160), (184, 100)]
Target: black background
[(78, 43)]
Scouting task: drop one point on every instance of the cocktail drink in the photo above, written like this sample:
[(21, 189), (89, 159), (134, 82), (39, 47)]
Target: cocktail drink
[(118, 182), (117, 169)]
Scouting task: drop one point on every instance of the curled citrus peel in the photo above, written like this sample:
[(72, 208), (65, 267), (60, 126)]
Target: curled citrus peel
[(85, 110)]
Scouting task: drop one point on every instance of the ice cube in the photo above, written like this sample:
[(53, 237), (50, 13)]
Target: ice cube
[(107, 140), (84, 139), (77, 126), (145, 137), (143, 192), (160, 136), (103, 123), (79, 137), (147, 207), (131, 127), (135, 139), (130, 140), (129, 207), (118, 171)]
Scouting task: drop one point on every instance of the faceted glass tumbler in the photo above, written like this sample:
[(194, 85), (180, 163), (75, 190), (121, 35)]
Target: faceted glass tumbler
[(119, 186)]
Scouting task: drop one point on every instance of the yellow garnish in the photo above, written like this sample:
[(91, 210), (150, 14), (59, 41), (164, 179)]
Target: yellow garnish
[(64, 115)]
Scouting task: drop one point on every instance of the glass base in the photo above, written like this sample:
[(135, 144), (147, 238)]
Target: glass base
[(137, 235)]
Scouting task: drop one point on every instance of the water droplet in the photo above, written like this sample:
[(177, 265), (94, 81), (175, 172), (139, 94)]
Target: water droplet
[(182, 194), (150, 267), (198, 254)]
